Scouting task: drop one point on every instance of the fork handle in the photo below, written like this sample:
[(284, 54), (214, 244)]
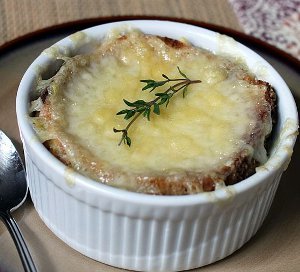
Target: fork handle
[(17, 236)]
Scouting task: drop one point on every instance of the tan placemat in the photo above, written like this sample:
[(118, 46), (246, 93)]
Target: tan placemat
[(275, 247), (18, 17)]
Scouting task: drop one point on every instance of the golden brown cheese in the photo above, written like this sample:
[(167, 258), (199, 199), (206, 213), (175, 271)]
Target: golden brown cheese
[(195, 138)]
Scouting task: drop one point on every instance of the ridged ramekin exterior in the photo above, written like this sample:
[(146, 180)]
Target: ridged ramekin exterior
[(154, 233), (195, 236)]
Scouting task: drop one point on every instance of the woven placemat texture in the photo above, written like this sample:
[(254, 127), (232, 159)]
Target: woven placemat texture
[(18, 17)]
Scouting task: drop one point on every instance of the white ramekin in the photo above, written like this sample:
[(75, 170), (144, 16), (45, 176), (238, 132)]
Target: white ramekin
[(144, 232)]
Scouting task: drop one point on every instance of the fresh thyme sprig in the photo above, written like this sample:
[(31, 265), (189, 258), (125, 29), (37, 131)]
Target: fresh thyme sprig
[(141, 107)]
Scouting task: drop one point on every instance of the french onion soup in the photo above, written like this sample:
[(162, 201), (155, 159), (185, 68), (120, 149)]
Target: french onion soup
[(155, 115)]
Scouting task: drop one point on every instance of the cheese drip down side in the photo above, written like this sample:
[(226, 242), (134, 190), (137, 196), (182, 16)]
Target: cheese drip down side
[(198, 133)]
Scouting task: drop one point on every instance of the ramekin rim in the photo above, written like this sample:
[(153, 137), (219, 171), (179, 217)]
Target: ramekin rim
[(27, 132)]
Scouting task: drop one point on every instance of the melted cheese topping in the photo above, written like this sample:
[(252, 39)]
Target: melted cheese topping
[(201, 132)]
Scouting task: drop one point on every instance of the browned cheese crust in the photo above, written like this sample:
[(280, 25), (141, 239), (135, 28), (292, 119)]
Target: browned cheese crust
[(242, 167)]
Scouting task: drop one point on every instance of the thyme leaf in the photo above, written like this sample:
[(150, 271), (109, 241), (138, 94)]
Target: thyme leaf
[(141, 107)]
